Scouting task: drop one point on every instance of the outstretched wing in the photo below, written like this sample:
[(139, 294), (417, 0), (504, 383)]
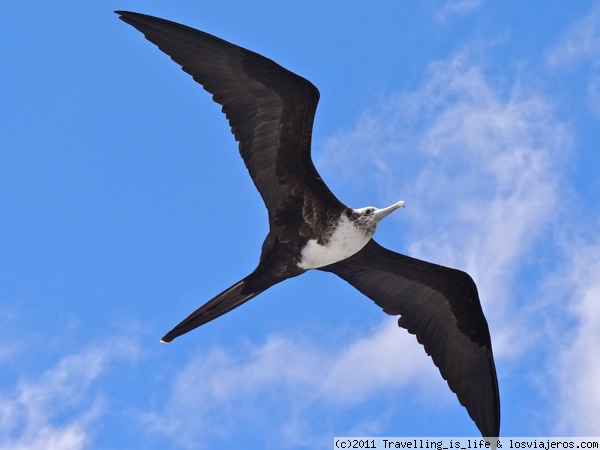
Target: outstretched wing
[(441, 307), (270, 110)]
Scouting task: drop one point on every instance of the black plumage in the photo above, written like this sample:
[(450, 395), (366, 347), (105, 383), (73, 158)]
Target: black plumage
[(271, 112)]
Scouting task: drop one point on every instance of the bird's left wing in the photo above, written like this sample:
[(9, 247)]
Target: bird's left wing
[(441, 307)]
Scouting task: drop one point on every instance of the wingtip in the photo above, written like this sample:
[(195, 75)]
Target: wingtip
[(127, 15), (122, 15)]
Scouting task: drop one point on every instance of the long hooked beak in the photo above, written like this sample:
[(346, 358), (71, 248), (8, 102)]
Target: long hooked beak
[(381, 213)]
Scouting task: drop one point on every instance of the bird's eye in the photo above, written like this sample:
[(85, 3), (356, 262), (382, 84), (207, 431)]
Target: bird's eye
[(370, 210)]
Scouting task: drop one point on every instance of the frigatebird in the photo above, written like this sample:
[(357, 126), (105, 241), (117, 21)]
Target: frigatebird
[(271, 112)]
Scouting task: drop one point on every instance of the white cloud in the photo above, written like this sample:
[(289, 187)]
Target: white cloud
[(480, 170), (577, 366), (291, 375), (574, 334), (487, 187), (581, 44), (55, 410)]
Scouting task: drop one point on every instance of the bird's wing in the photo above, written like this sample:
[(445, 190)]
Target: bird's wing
[(441, 307), (270, 110)]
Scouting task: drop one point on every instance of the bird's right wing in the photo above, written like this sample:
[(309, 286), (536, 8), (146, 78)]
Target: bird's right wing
[(441, 307)]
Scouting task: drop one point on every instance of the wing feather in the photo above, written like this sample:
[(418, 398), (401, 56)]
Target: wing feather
[(441, 307), (270, 110)]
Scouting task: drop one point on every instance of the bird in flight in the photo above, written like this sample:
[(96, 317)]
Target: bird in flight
[(271, 112)]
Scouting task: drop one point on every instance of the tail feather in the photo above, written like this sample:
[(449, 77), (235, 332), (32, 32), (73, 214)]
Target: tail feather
[(227, 300)]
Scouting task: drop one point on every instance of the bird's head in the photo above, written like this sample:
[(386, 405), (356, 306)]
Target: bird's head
[(369, 216)]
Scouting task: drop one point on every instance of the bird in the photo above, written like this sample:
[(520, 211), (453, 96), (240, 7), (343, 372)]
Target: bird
[(271, 111)]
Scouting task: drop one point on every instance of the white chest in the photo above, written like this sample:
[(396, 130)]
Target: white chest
[(346, 240)]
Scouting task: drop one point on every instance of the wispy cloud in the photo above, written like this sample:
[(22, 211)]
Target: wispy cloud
[(457, 7), (480, 169), (287, 374), (486, 188), (580, 44), (577, 366), (56, 409), (574, 337)]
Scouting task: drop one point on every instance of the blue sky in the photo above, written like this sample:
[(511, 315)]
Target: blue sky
[(122, 197)]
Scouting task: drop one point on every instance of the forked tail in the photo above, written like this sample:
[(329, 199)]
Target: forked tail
[(229, 299)]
